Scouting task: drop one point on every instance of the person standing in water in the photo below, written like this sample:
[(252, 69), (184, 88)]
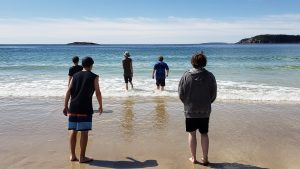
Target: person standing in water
[(80, 112), (74, 69), (197, 90), (161, 72), (128, 70)]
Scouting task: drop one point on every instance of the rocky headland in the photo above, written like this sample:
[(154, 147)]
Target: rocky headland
[(270, 39)]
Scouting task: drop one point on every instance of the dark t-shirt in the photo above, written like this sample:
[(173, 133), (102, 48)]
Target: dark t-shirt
[(160, 67), (82, 92), (75, 69), (127, 66)]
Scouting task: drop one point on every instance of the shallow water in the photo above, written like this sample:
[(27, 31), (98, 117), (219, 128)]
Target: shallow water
[(244, 72), (137, 132)]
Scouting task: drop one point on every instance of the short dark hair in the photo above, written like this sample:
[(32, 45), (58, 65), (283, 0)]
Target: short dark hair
[(199, 60), (87, 61), (75, 59), (160, 58)]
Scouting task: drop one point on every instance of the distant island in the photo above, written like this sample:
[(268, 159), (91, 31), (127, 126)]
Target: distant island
[(266, 39), (82, 43)]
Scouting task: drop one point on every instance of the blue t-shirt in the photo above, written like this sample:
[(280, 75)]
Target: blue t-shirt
[(160, 68)]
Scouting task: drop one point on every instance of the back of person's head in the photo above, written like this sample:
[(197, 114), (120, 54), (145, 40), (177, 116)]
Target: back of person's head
[(160, 58), (199, 60), (126, 54), (87, 62), (75, 59)]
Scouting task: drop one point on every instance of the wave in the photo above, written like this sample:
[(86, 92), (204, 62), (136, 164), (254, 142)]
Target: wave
[(115, 87)]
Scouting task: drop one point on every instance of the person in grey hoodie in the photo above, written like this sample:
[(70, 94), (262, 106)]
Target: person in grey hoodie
[(197, 90)]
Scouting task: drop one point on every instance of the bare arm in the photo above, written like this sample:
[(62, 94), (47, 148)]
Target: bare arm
[(98, 94), (167, 73), (131, 69), (69, 80), (153, 73), (167, 70), (67, 98), (123, 64)]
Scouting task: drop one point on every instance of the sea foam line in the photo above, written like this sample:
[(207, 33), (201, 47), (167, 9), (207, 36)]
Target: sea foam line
[(115, 87)]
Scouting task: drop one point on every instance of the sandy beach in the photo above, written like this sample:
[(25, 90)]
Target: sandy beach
[(137, 132)]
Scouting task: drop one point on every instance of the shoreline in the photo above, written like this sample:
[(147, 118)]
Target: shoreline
[(150, 98), (150, 133)]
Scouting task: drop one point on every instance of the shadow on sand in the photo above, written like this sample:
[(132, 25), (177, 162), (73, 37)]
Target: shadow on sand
[(232, 166), (124, 164)]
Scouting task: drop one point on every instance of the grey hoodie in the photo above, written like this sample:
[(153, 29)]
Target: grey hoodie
[(197, 90)]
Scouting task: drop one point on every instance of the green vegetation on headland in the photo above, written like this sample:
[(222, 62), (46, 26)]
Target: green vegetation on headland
[(82, 43), (265, 39)]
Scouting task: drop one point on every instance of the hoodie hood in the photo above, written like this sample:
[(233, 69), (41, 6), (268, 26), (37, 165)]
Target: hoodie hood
[(197, 74)]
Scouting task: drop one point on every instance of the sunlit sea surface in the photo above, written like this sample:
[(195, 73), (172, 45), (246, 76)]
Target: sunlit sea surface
[(243, 72)]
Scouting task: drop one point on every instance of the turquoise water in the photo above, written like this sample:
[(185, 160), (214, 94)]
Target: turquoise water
[(244, 72)]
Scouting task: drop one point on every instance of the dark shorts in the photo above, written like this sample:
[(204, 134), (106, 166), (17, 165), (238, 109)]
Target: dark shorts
[(160, 82), (192, 124), (127, 78), (80, 123)]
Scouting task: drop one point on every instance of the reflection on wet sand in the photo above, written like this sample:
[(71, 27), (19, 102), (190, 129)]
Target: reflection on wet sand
[(127, 119), (161, 115), (76, 165)]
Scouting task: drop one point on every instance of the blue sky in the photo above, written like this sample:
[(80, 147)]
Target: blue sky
[(144, 21)]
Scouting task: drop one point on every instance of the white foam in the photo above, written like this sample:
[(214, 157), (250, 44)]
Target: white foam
[(228, 90), (115, 87)]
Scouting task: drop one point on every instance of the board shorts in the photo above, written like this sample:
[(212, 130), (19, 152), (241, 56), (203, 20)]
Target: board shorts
[(160, 82), (192, 124), (80, 122), (127, 78)]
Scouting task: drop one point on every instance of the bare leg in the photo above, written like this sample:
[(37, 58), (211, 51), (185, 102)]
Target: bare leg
[(83, 143), (73, 139), (131, 85), (193, 146), (157, 87), (126, 86), (205, 146), (162, 88)]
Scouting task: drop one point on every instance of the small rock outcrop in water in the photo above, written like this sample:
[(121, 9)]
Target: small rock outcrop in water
[(82, 43), (271, 39)]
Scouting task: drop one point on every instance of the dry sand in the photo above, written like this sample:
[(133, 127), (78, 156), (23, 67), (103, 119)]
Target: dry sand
[(150, 133)]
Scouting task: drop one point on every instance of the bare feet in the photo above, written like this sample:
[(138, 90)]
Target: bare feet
[(204, 162), (85, 159), (73, 158), (193, 160)]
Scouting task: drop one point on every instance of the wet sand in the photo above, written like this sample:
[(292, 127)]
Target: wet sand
[(149, 133)]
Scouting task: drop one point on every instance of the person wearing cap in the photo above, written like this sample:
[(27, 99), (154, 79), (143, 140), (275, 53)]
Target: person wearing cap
[(74, 69), (161, 71), (80, 111), (128, 70), (197, 90)]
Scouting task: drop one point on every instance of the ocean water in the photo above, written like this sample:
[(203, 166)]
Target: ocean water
[(243, 72)]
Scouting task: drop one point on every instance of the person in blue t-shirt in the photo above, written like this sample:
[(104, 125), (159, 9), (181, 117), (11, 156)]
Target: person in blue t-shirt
[(161, 71)]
